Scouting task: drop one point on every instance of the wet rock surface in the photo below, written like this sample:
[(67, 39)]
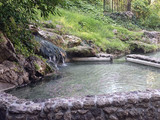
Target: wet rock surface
[(74, 46), (140, 105), (16, 69), (50, 35), (50, 51), (6, 86)]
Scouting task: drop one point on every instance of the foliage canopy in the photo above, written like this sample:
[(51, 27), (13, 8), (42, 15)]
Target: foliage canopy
[(17, 14), (147, 12)]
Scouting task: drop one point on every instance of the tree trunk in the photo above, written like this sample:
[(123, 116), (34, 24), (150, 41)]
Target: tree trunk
[(129, 5), (149, 2), (104, 5), (112, 5)]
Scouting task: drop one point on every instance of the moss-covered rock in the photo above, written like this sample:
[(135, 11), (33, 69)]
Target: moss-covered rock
[(141, 47), (51, 36), (71, 41), (81, 51), (36, 68), (15, 68)]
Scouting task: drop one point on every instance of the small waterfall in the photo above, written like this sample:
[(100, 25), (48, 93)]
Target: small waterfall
[(54, 54), (63, 62)]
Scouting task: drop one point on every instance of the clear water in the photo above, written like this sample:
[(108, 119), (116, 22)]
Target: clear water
[(155, 55), (80, 79)]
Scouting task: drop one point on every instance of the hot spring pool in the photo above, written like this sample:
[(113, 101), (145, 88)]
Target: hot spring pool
[(80, 79)]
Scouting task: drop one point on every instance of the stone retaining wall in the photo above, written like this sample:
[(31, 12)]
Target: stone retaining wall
[(143, 57), (119, 106)]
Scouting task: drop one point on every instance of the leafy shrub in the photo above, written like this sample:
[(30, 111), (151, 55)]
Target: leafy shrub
[(141, 8), (147, 13), (15, 17)]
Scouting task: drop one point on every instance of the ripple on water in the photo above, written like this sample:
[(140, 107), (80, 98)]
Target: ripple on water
[(81, 79)]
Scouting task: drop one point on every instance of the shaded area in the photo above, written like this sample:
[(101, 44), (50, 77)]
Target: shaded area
[(6, 86)]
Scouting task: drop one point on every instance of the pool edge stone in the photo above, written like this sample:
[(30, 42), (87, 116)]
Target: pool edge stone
[(128, 105)]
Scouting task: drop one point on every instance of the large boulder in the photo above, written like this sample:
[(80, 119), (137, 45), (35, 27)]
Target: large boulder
[(23, 72), (128, 15), (51, 36), (15, 68), (81, 51), (36, 68), (152, 37), (141, 47), (71, 41), (11, 72), (78, 48), (7, 51), (74, 46)]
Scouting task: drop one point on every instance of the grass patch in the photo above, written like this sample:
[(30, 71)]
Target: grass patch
[(99, 31), (1, 38), (37, 67), (146, 48)]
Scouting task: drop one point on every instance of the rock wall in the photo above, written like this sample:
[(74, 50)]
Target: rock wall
[(119, 106), (15, 68)]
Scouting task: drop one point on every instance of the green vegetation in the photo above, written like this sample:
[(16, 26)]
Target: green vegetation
[(37, 67), (82, 18), (148, 13), (1, 38), (144, 47), (86, 21), (15, 17)]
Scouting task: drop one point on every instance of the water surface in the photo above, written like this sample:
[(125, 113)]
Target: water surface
[(79, 79)]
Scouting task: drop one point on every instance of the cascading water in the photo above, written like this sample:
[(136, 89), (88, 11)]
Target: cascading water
[(54, 54)]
